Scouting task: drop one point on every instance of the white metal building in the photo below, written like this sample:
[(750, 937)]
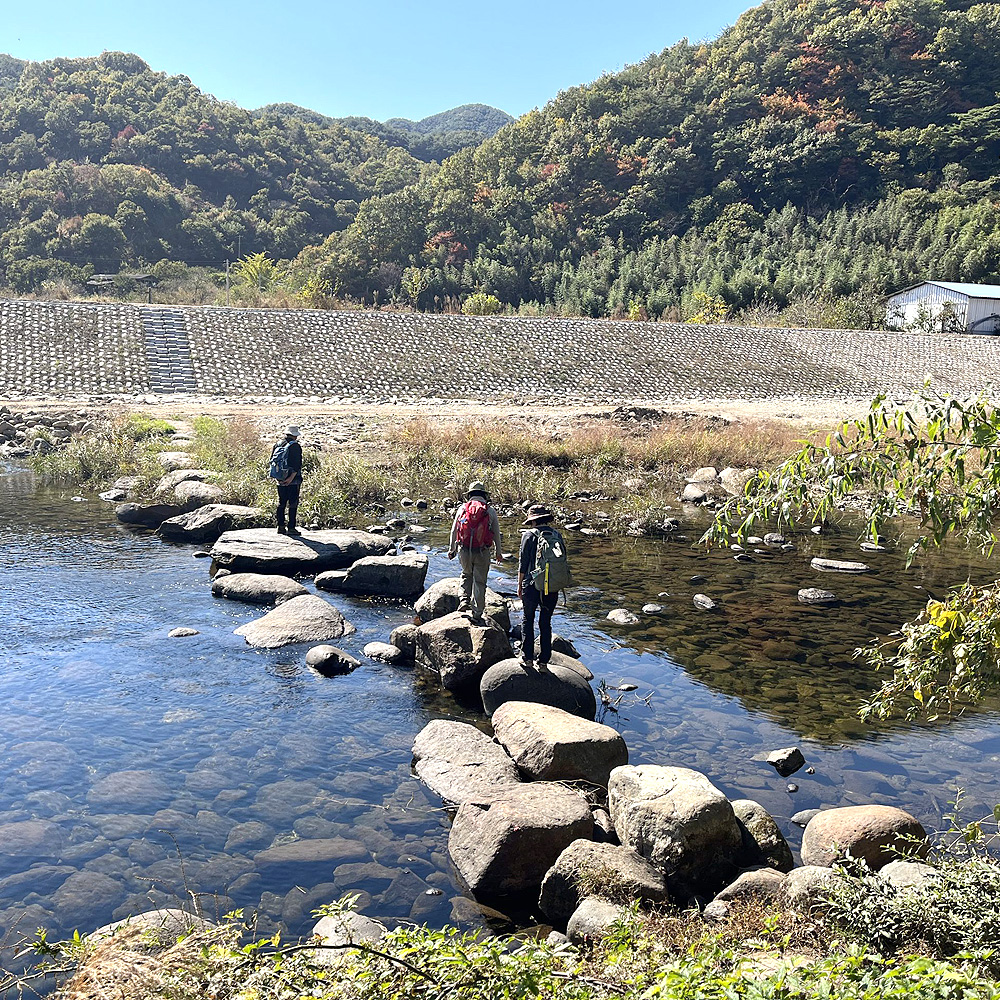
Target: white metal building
[(947, 306)]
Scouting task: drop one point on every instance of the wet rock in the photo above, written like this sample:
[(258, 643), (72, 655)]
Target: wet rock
[(763, 842), (384, 652), (558, 686), (550, 744), (262, 550), (806, 887), (622, 616), (763, 884), (816, 595), (181, 632), (160, 927), (248, 836), (875, 834), (147, 515), (786, 761), (873, 547), (330, 661), (802, 817), (257, 588), (207, 523), (41, 878), (382, 576), (138, 790), (703, 602), (458, 649), (443, 598), (592, 920), (678, 820), (775, 540), (404, 639), (506, 841), (458, 761), (588, 869), (303, 854), (652, 609), (83, 894), (839, 566), (302, 619), (31, 838)]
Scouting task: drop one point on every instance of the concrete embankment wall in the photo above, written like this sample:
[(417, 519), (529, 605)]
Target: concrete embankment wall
[(75, 349)]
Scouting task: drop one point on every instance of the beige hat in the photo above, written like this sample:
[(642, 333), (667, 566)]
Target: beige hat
[(477, 487), (292, 431)]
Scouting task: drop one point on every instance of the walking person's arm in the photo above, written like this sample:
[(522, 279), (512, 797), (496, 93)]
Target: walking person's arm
[(525, 559), (453, 538), (495, 531)]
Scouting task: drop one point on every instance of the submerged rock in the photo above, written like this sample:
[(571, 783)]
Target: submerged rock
[(255, 550), (816, 595), (622, 616), (839, 566), (302, 619)]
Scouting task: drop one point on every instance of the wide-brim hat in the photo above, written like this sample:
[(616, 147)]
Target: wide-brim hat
[(292, 431), (538, 514), (477, 487)]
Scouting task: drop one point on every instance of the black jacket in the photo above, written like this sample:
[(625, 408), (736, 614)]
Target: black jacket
[(293, 459)]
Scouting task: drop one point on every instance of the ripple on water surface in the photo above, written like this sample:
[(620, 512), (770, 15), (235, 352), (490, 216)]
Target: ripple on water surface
[(141, 770)]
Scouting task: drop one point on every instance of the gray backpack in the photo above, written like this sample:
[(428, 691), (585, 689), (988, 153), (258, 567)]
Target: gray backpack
[(551, 573)]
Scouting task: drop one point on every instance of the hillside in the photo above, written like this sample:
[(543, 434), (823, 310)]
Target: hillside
[(479, 118), (824, 147)]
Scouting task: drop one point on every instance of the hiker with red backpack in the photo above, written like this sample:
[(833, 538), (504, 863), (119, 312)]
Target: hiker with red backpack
[(542, 571), (475, 531)]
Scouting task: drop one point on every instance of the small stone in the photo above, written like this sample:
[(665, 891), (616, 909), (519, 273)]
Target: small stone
[(652, 609), (786, 761), (201, 554), (178, 633), (802, 817), (839, 566), (704, 603), (815, 595), (622, 616), (330, 661), (791, 787)]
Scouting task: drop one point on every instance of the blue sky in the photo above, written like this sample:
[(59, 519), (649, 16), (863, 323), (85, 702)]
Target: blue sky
[(384, 59)]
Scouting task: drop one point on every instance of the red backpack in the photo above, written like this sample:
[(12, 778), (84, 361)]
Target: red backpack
[(474, 526)]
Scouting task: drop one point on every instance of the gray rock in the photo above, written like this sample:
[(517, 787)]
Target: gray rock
[(806, 887), (327, 852), (173, 460), (384, 652), (32, 838), (622, 616), (302, 619), (763, 884), (592, 920), (763, 842), (248, 836), (734, 481), (209, 522), (192, 494), (786, 761), (802, 817), (262, 550), (459, 650), (147, 515), (838, 566), (85, 893), (558, 686), (678, 820), (140, 791), (652, 609), (161, 927), (404, 639), (908, 874), (507, 840), (181, 632), (171, 480), (380, 576), (330, 661), (550, 744), (775, 540), (588, 869), (443, 598), (706, 474), (694, 493), (703, 602), (816, 595), (458, 761), (257, 588), (875, 834), (716, 911), (348, 928)]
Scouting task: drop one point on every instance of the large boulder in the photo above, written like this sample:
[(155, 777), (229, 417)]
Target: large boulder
[(587, 869), (679, 821), (257, 588), (193, 493), (207, 523), (379, 576), (874, 834), (558, 686), (443, 598), (147, 515), (169, 482), (763, 842), (302, 619), (550, 744), (262, 550), (458, 761), (458, 649), (505, 841)]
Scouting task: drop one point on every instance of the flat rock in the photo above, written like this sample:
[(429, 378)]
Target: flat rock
[(209, 522), (558, 686), (137, 791), (302, 619), (327, 851), (443, 598), (330, 661), (459, 650), (147, 515), (257, 588), (838, 566), (181, 632), (875, 834), (32, 838), (506, 841), (816, 595), (678, 820), (550, 744), (763, 841), (587, 869), (458, 761), (379, 576), (263, 550)]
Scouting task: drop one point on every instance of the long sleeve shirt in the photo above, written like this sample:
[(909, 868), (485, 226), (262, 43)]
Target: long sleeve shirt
[(494, 524)]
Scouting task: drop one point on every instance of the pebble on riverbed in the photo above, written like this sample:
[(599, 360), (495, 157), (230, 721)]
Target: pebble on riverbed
[(179, 633)]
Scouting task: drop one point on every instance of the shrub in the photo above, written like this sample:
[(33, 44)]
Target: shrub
[(481, 304)]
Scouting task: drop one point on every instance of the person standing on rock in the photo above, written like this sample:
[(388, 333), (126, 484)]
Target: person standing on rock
[(286, 471), (475, 531), (542, 571)]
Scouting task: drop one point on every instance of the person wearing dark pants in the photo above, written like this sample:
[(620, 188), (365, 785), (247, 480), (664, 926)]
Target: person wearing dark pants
[(533, 599), (289, 488)]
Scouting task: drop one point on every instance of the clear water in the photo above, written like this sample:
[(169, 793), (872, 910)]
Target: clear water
[(225, 736)]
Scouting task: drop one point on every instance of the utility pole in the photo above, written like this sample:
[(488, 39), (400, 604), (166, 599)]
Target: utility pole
[(227, 281)]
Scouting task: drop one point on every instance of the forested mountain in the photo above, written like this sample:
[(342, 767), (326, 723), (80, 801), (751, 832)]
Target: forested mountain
[(479, 118), (824, 145), (830, 148)]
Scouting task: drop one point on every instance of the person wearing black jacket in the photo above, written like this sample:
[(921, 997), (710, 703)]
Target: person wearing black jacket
[(539, 519), (288, 489)]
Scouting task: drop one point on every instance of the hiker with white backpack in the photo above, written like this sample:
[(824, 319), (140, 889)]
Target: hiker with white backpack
[(286, 471), (542, 571), (474, 533)]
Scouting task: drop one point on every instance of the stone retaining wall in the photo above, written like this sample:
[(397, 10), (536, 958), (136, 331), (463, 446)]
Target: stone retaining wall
[(72, 349)]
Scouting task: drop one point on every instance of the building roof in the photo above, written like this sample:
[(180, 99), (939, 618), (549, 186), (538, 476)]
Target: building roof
[(961, 287)]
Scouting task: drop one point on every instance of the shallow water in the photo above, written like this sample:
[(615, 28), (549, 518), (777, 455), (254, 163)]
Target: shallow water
[(240, 749)]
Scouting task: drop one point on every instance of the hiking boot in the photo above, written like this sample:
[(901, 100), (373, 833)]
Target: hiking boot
[(294, 531), (281, 530), (543, 664), (525, 662)]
